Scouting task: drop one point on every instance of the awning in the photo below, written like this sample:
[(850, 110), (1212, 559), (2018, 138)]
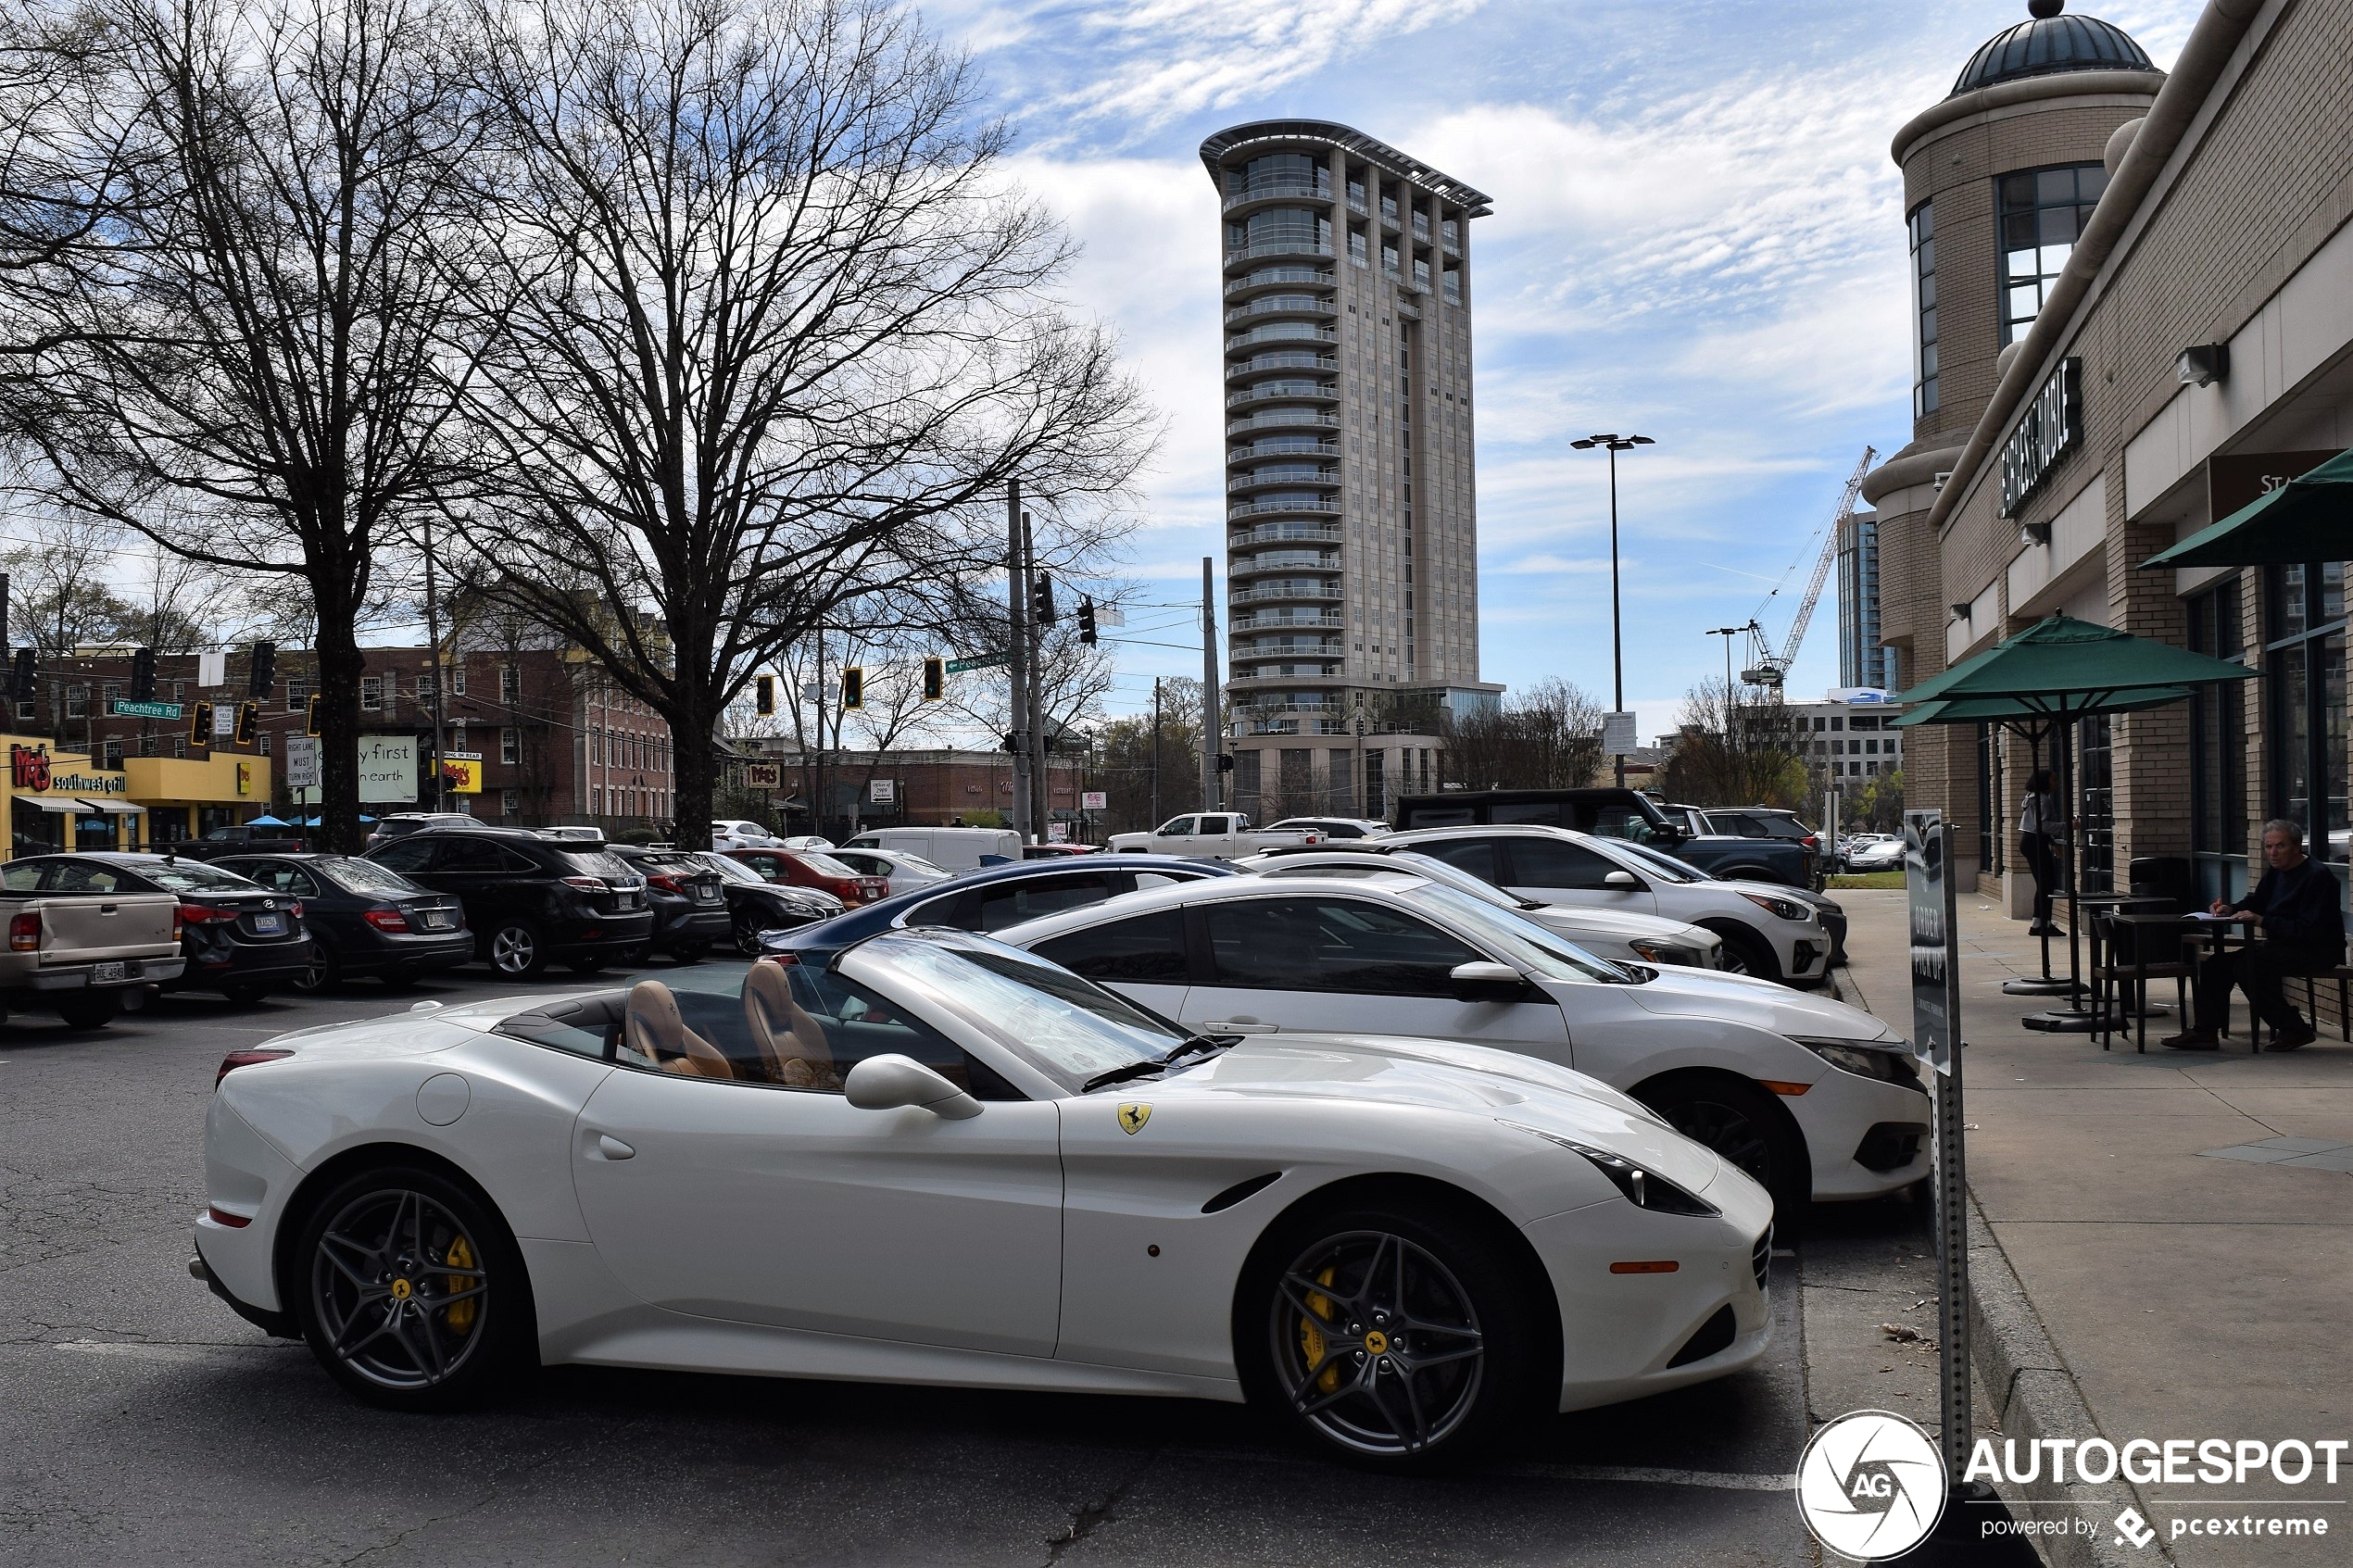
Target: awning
[(62, 807), (2060, 667), (2306, 519), (117, 808)]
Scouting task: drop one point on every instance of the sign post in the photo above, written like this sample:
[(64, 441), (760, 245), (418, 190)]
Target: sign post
[(1936, 1024)]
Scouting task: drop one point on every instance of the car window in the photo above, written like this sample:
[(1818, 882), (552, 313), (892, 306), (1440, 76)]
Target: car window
[(1330, 945), (864, 865), (193, 876), (1623, 821), (1545, 813), (1160, 879), (281, 875), (1064, 1025), (467, 855), (1665, 867), (596, 863), (1148, 949), (1440, 817), (824, 864), (1179, 827), (1555, 862), (85, 876), (1476, 856), (363, 876), (23, 877), (1012, 903), (403, 855), (726, 866)]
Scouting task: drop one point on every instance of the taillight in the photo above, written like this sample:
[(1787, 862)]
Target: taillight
[(385, 920), (667, 884), (785, 960), (205, 914), (176, 932), (298, 908), (24, 932), (591, 884), (221, 1216), (1813, 841), (235, 1059)]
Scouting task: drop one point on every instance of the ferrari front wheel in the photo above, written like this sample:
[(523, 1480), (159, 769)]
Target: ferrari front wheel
[(1398, 1337), (411, 1293)]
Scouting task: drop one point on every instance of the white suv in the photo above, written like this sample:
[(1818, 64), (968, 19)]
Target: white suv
[(1766, 931)]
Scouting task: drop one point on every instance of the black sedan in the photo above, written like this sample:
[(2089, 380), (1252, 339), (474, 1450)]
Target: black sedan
[(240, 938), (364, 920), (755, 903), (688, 897)]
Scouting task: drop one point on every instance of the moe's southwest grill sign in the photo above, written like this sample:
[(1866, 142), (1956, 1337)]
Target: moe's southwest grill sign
[(31, 769)]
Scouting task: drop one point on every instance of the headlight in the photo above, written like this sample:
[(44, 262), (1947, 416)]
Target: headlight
[(1887, 1064), (1787, 909), (1666, 953), (1644, 1189)]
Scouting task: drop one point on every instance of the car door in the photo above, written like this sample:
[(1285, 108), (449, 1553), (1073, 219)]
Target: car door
[(1143, 956), (1559, 871), (754, 1202), (1174, 836), (1331, 963)]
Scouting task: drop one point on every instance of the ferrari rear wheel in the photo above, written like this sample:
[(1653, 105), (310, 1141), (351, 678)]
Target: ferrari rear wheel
[(411, 1292), (1398, 1337)]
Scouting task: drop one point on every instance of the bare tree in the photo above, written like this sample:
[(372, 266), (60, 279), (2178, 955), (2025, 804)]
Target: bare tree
[(776, 337), (248, 356), (1735, 751), (1547, 735)]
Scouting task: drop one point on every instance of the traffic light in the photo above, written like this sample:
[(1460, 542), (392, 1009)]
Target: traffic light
[(935, 679), (264, 671), (1086, 621), (143, 675), (763, 696), (24, 683), (1225, 761), (1011, 742), (200, 724), (249, 722), (853, 687), (1041, 599), (311, 715)]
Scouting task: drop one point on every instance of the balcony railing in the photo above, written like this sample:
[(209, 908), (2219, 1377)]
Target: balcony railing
[(1268, 619), (1356, 201), (1326, 506), (1281, 332), (1300, 590), (1278, 418), (1282, 447), (1421, 227), (1313, 647), (1388, 211), (1282, 532), (1300, 476), (1282, 304), (1285, 389), (1258, 364), (1275, 247), (1287, 560), (1267, 277), (1285, 185)]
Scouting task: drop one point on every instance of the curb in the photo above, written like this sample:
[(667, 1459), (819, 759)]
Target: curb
[(2036, 1397)]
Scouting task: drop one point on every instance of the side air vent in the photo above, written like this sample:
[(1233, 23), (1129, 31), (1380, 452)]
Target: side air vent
[(1714, 1335), (1241, 1190)]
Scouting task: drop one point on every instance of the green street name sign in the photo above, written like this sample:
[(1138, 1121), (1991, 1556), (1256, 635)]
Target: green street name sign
[(124, 710), (977, 661)]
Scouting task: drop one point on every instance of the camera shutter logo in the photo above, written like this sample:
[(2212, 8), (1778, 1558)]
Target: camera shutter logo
[(1871, 1485)]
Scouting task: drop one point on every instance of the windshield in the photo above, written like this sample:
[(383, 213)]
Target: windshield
[(600, 863), (733, 871), (195, 876), (1068, 1028), (918, 863), (1454, 876), (1527, 944), (363, 876), (1667, 866), (825, 865)]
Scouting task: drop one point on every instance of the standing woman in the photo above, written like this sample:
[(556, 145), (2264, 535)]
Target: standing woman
[(2042, 838)]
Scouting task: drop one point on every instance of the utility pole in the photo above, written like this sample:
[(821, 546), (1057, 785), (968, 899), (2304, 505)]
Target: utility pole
[(1212, 742), (1017, 650), (1156, 807), (1041, 804)]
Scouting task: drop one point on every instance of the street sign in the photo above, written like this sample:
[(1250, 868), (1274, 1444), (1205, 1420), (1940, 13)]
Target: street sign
[(882, 792), (977, 661), (302, 761), (224, 720), (1094, 801), (124, 709), (1617, 734), (764, 775)]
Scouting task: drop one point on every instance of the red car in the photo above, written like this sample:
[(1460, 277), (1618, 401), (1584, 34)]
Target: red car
[(1054, 851), (814, 868)]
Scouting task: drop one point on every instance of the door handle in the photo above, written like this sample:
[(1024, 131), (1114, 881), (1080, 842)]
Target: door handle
[(613, 1148), (1239, 1026)]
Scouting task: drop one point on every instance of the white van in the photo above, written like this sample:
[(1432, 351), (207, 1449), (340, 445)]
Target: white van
[(959, 849)]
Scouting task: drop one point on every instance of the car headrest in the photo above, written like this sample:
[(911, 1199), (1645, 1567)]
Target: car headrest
[(792, 1045), (655, 1031)]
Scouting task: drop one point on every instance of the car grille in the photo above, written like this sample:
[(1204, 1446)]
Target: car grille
[(1760, 1257)]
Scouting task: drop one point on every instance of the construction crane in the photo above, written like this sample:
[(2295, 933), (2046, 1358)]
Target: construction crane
[(1771, 669)]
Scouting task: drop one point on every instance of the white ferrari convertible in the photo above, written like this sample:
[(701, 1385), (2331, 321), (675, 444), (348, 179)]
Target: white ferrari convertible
[(939, 1160)]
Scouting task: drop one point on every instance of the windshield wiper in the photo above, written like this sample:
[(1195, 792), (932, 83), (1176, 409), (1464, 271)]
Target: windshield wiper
[(1176, 1053)]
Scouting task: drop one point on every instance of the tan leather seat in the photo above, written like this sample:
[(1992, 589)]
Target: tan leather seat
[(654, 1031), (792, 1044)]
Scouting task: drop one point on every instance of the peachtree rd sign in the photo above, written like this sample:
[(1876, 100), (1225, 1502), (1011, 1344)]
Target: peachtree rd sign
[(977, 661), (2048, 431), (124, 709)]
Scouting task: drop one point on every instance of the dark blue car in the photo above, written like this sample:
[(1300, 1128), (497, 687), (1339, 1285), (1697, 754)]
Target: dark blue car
[(995, 898)]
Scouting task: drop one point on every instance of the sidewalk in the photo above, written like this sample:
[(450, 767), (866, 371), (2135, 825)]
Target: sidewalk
[(2184, 1297)]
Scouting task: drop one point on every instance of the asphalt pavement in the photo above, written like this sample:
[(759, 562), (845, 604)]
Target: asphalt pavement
[(142, 1421)]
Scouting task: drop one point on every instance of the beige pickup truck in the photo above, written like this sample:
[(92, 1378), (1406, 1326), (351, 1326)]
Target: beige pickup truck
[(84, 955)]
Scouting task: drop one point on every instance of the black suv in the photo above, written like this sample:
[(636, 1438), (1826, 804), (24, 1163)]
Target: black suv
[(689, 900), (530, 900)]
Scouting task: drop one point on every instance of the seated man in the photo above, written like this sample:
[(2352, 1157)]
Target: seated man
[(2296, 909)]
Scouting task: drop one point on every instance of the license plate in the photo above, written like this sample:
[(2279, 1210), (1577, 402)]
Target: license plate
[(436, 920), (269, 925), (106, 972), (706, 894), (627, 901)]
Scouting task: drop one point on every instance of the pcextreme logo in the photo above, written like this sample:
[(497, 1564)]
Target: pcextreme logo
[(1871, 1485)]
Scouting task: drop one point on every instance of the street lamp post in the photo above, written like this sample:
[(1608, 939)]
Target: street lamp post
[(1614, 444)]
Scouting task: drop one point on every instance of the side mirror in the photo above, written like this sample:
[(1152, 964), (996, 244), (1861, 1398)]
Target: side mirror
[(1483, 981), (885, 1083), (1622, 880)]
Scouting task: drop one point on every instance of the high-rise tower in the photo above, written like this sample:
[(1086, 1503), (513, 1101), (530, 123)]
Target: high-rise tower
[(1352, 517)]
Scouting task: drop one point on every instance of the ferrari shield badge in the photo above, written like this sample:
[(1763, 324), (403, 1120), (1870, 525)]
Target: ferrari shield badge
[(1132, 1118)]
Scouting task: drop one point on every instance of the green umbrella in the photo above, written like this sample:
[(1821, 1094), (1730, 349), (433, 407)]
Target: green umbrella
[(2009, 710), (2060, 667), (2306, 519)]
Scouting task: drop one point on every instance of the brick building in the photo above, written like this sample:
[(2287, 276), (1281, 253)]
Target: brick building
[(555, 741), (2156, 274), (927, 788)]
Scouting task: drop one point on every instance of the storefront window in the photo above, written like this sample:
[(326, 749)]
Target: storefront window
[(2304, 731), (2041, 213), (2218, 748), (2098, 782)]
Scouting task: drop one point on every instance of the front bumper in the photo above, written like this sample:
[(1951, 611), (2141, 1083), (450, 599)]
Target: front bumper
[(83, 977), (1841, 1115)]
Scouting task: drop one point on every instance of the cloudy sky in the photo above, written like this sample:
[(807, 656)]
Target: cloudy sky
[(1697, 236)]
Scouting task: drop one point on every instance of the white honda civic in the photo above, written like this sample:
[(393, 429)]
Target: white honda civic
[(940, 1160)]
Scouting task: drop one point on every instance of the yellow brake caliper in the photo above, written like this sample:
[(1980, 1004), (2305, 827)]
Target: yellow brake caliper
[(1311, 1334), (460, 1315)]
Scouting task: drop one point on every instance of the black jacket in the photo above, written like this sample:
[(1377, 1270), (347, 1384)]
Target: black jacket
[(2302, 911)]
